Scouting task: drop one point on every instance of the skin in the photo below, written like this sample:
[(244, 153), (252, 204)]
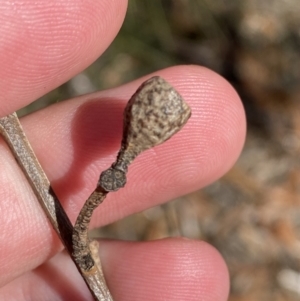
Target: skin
[(42, 47)]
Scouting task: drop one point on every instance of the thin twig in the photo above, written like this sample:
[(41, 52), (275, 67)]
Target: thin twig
[(11, 130)]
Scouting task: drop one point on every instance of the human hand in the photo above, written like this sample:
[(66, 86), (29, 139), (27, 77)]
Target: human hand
[(44, 46)]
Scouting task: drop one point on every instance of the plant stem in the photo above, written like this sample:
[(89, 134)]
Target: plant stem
[(11, 130)]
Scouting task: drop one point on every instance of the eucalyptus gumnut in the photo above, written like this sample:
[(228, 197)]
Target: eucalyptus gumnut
[(154, 114)]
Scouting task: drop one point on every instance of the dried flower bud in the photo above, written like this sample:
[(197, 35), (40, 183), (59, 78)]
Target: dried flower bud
[(153, 115)]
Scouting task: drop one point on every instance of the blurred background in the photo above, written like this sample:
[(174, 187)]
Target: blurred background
[(252, 214)]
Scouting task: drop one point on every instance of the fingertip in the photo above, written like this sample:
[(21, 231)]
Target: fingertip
[(217, 127), (211, 141), (49, 43), (169, 269)]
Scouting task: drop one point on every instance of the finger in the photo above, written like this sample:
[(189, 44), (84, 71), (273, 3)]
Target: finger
[(42, 46), (77, 139), (172, 269)]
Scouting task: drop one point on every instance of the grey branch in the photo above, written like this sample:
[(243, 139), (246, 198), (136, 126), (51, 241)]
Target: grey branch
[(14, 136)]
